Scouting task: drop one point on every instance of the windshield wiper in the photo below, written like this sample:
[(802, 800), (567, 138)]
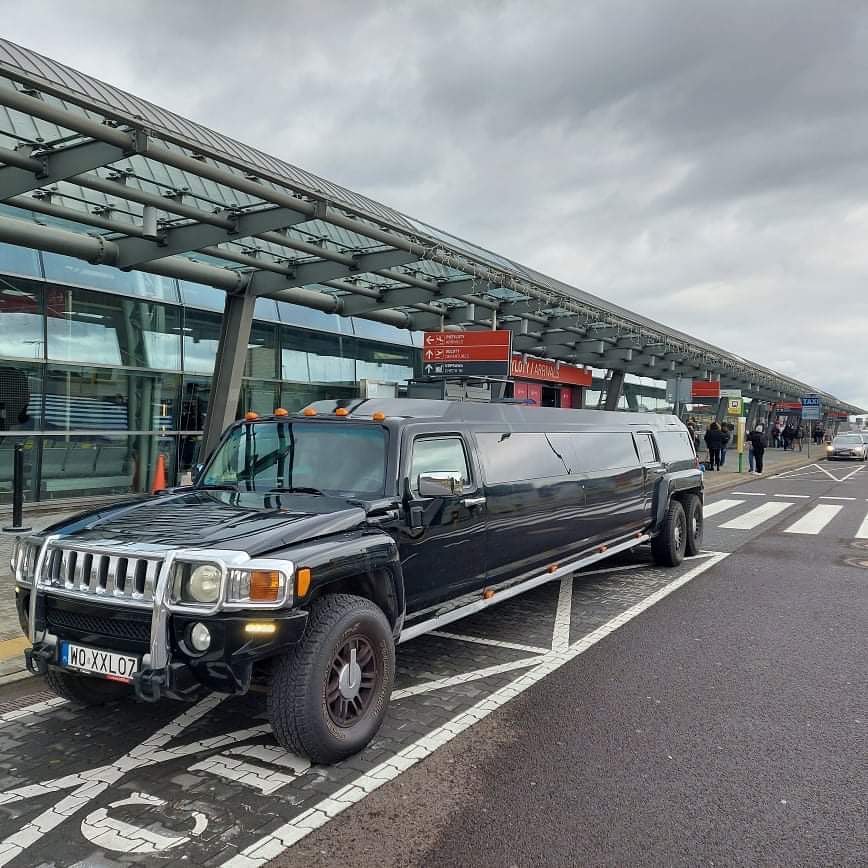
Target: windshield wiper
[(296, 489)]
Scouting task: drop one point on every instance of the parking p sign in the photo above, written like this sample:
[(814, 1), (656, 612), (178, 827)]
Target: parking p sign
[(733, 406)]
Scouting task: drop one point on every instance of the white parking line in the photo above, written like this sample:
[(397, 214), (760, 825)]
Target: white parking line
[(833, 497), (757, 516), (37, 707), (814, 521), (480, 640), (561, 632), (751, 493), (464, 678), (284, 836), (791, 495), (862, 533)]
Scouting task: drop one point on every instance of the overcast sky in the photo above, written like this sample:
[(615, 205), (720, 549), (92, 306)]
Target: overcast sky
[(703, 163)]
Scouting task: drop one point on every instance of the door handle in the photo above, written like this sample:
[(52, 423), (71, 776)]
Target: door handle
[(473, 501)]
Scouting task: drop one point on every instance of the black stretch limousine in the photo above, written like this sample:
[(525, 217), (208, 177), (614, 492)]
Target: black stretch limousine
[(312, 543)]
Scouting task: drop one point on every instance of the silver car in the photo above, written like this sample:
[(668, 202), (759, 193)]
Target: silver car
[(848, 446)]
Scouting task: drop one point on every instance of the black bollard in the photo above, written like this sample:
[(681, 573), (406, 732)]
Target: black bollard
[(18, 493)]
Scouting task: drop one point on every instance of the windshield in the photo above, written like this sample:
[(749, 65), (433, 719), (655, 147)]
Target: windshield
[(343, 460), (849, 440)]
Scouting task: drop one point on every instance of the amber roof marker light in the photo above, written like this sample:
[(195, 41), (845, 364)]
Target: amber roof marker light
[(379, 416), (250, 416), (281, 411), (342, 411), (309, 411)]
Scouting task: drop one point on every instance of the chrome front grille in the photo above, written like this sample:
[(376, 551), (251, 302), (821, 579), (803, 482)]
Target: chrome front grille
[(112, 576)]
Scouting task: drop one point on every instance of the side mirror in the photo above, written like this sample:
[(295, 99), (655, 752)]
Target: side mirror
[(440, 483), (196, 475)]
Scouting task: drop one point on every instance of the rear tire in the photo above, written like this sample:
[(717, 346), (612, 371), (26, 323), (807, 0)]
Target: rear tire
[(693, 516), (669, 545), (85, 690), (330, 693)]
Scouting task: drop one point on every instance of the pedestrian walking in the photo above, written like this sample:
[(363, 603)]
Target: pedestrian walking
[(798, 439), (758, 444), (714, 442), (725, 434), (787, 435)]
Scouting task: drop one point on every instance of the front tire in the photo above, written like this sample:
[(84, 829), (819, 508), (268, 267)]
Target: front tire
[(669, 545), (330, 693), (693, 516), (85, 690)]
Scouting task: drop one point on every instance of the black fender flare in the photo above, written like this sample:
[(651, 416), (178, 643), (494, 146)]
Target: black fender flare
[(369, 557), (668, 486)]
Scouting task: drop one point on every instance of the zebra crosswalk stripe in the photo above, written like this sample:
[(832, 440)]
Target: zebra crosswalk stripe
[(720, 506), (815, 520), (757, 516)]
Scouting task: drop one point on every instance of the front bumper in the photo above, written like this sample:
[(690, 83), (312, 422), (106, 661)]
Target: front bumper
[(226, 667)]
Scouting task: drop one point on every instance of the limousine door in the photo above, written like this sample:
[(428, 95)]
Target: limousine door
[(444, 555)]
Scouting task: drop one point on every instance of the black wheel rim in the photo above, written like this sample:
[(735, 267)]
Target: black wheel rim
[(680, 535), (352, 680)]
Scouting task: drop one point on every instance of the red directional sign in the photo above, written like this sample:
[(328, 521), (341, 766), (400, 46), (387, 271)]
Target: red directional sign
[(467, 354)]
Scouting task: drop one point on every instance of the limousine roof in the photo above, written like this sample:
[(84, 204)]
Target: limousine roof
[(475, 411)]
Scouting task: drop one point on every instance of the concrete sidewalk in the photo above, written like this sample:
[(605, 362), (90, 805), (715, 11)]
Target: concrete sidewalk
[(776, 461), (12, 644)]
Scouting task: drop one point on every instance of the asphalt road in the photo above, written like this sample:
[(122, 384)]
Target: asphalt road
[(712, 714), (724, 726)]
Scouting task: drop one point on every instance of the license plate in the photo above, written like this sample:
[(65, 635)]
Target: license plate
[(109, 664)]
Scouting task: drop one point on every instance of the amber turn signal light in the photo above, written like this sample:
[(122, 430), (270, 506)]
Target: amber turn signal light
[(264, 586), (553, 568), (250, 416), (487, 594), (260, 628), (302, 581)]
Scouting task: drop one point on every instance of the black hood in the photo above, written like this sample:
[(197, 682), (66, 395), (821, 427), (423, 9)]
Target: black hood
[(199, 518)]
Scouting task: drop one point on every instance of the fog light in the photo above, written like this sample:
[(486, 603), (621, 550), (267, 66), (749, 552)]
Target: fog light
[(260, 628), (200, 637)]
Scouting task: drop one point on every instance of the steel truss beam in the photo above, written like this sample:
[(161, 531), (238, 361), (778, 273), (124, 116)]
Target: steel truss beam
[(50, 167)]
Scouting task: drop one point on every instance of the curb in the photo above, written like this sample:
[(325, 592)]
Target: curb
[(745, 478)]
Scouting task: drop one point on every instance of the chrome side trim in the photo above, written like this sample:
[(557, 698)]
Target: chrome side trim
[(34, 587), (507, 593)]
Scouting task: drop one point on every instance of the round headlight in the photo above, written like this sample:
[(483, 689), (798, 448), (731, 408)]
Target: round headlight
[(200, 637), (204, 585)]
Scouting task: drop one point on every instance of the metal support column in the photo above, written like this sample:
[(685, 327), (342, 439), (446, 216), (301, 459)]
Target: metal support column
[(632, 397), (753, 414), (721, 409), (228, 368), (614, 388)]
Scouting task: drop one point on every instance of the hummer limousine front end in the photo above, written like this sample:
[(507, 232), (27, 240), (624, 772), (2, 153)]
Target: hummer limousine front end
[(166, 621)]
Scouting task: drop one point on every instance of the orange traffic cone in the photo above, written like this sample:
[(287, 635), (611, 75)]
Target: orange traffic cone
[(159, 483)]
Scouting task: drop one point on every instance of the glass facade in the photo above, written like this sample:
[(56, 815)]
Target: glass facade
[(102, 372)]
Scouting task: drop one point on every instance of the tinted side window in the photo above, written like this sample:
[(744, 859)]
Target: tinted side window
[(437, 454), (603, 451), (675, 446), (646, 448), (513, 457)]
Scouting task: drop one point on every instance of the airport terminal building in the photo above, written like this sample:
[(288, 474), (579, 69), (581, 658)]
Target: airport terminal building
[(158, 279)]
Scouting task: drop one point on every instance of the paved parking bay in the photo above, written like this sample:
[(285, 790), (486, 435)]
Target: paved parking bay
[(205, 784)]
